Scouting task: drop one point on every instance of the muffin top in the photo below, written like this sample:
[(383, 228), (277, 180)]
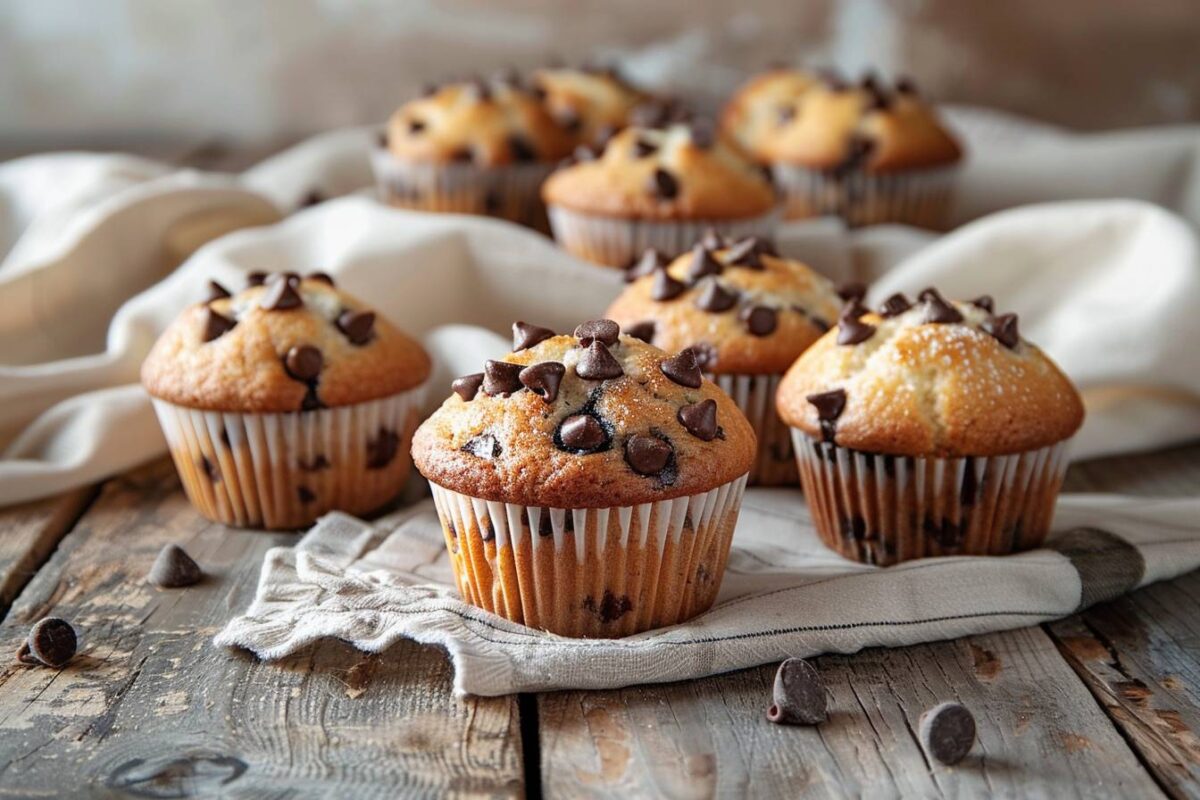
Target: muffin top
[(284, 343), (488, 123), (593, 420), (742, 307), (934, 379), (762, 106), (678, 172), (590, 104)]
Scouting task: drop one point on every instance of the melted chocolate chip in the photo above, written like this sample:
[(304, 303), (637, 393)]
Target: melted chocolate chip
[(985, 302), (382, 448), (700, 419), (467, 386), (642, 330), (582, 433), (683, 369), (501, 378), (937, 310), (650, 261), (715, 298), (216, 291), (522, 150), (484, 446), (830, 406), (643, 148), (280, 295), (543, 379), (852, 290), (1004, 329), (759, 320), (358, 326), (665, 287), (256, 279), (323, 277), (647, 455), (702, 264), (604, 331), (215, 325), (894, 306), (664, 185), (526, 335), (597, 364), (174, 569), (852, 331), (303, 362)]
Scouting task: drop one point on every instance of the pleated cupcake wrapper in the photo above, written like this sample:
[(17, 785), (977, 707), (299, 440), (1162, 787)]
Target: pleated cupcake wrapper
[(618, 243), (881, 509), (590, 572), (912, 197), (775, 464), (282, 471), (509, 192)]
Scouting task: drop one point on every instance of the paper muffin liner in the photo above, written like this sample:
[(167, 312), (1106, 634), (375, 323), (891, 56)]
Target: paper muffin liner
[(616, 242), (881, 509), (591, 572), (509, 192), (283, 471), (919, 197), (775, 464)]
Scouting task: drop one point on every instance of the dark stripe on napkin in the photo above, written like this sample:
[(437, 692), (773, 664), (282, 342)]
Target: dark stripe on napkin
[(1108, 565)]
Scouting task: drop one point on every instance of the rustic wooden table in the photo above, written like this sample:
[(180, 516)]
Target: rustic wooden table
[(1105, 703)]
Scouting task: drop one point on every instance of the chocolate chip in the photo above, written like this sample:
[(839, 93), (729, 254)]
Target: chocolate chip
[(850, 329), (650, 261), (501, 378), (216, 291), (358, 326), (467, 386), (52, 641), (174, 568), (785, 114), (702, 264), (947, 732), (663, 184), (597, 364), (647, 455), (759, 320), (745, 253), (526, 335), (280, 295), (303, 362), (852, 290), (255, 279), (830, 406), (611, 607), (665, 287), (683, 369), (522, 150), (214, 325), (985, 302), (700, 419), (894, 306), (715, 298), (485, 446), (582, 432), (642, 330), (323, 277), (305, 494), (311, 400), (906, 85), (604, 331), (937, 310), (799, 696), (642, 148), (415, 126), (543, 379), (382, 448), (1004, 329)]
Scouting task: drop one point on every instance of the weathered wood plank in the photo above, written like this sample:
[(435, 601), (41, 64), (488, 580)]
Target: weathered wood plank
[(28, 534), (151, 707)]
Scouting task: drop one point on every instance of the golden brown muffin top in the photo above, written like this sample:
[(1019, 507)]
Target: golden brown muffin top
[(761, 106), (488, 123), (743, 308), (590, 104), (284, 343), (593, 420), (934, 379), (678, 172)]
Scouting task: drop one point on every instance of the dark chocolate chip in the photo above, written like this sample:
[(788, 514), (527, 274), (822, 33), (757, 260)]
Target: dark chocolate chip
[(280, 295), (642, 148), (501, 378), (683, 369), (799, 696), (785, 114), (382, 448), (702, 264), (305, 494), (174, 568), (582, 432), (484, 446), (526, 335), (610, 608), (665, 287), (947, 732), (415, 126), (985, 302), (830, 406), (906, 85), (663, 184), (745, 253), (852, 290), (323, 277), (215, 325), (647, 455), (759, 320), (894, 306), (303, 362), (256, 279), (650, 261), (715, 298), (700, 419), (358, 326), (467, 386), (597, 364), (311, 400), (643, 330), (543, 379), (1004, 329), (937, 309), (853, 331), (52, 641), (604, 331), (522, 150), (216, 291)]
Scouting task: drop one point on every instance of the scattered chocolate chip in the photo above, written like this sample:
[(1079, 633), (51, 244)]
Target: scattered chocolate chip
[(650, 261), (947, 732), (683, 369), (985, 302), (303, 362), (647, 455), (1004, 329), (715, 298), (526, 335), (852, 290), (785, 114), (174, 568), (214, 325), (937, 309), (501, 378), (484, 446), (467, 386), (665, 287), (582, 432), (382, 448), (597, 364), (522, 150), (894, 306), (323, 277), (256, 279), (799, 696), (280, 295), (643, 148), (604, 331), (852, 331), (759, 320), (700, 419), (745, 253), (216, 291), (52, 641), (663, 184), (642, 330), (358, 326), (702, 264), (543, 379)]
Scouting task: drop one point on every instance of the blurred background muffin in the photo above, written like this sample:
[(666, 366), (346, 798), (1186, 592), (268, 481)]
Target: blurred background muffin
[(591, 103)]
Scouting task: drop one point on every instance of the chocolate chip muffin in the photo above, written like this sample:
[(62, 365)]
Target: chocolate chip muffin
[(929, 429), (285, 401), (591, 104), (476, 147), (588, 485), (745, 314), (762, 106), (657, 188)]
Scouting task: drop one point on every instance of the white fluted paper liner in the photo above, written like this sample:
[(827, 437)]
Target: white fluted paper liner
[(919, 197), (591, 572), (283, 471), (616, 242), (881, 509), (509, 192), (775, 464)]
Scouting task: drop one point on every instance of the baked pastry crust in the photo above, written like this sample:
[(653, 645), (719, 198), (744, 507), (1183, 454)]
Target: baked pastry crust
[(591, 105)]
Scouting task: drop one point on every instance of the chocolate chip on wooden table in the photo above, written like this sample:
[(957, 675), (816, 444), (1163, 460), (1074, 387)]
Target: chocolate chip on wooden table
[(937, 309), (894, 306), (947, 732), (280, 295), (501, 378), (597, 364), (985, 302), (643, 148), (174, 568), (852, 290), (382, 448), (1004, 329), (683, 369), (665, 287), (215, 324), (642, 330), (303, 362), (647, 455), (543, 379), (650, 261), (715, 298), (216, 291), (759, 320), (663, 184), (358, 326), (700, 419), (799, 696), (583, 433), (256, 279), (702, 264), (604, 331), (323, 277), (52, 642), (526, 335)]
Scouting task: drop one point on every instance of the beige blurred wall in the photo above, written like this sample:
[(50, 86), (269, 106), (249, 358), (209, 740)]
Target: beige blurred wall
[(127, 73)]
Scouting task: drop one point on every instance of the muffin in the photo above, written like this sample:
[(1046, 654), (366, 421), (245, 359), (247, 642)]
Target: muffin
[(285, 401), (767, 102), (590, 104), (746, 313), (929, 429), (478, 147), (587, 485), (657, 188)]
